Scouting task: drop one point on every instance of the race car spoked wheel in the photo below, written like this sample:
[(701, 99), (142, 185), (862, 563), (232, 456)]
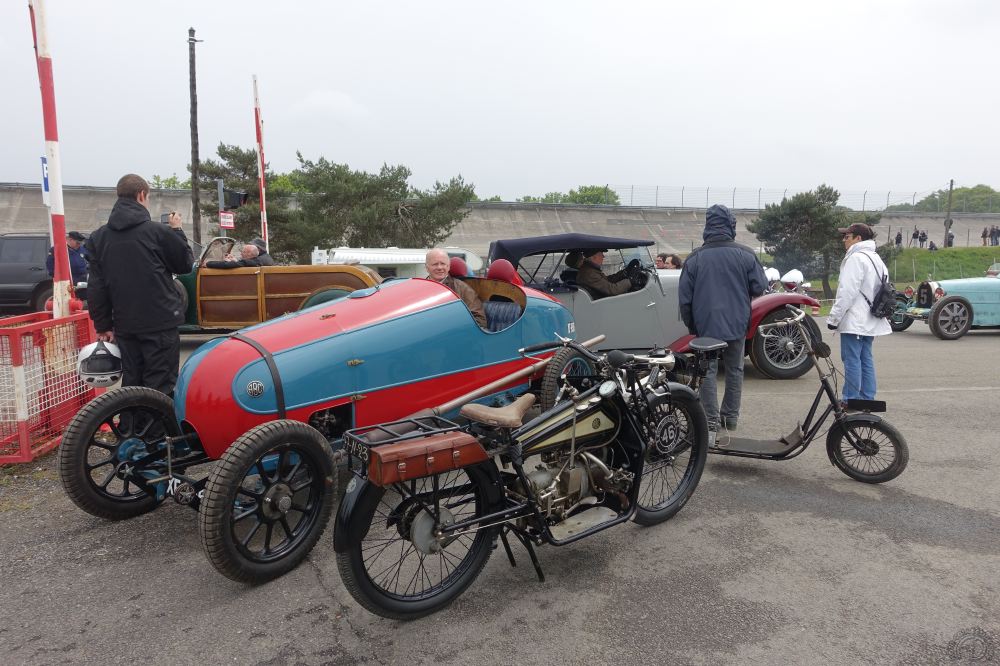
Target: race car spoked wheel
[(267, 501), (781, 354), (579, 370), (102, 451)]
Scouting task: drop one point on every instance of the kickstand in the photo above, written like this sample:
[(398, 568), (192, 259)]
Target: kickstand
[(526, 542)]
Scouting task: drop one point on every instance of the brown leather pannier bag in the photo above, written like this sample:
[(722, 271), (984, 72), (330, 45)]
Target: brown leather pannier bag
[(423, 456)]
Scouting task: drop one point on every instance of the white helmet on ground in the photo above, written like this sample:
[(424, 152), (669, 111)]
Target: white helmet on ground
[(100, 364)]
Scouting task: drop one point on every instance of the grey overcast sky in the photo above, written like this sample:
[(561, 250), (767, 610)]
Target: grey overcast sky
[(523, 97)]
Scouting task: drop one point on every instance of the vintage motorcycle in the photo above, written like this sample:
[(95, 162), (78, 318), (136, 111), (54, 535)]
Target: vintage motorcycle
[(430, 498)]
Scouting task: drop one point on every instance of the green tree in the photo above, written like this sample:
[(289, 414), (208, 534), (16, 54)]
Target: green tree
[(340, 206), (588, 195), (237, 167), (171, 182), (801, 232), (978, 199)]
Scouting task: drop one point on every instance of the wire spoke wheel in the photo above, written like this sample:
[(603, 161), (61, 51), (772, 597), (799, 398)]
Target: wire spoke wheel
[(579, 372), (102, 451), (676, 450), (868, 451), (782, 353), (405, 566), (267, 501)]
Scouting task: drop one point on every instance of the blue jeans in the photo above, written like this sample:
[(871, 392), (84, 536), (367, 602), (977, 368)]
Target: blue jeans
[(732, 360), (859, 366)]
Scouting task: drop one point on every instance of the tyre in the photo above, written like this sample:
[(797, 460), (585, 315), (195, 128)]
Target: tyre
[(400, 569), (899, 321), (182, 292), (676, 450), (950, 318), (782, 353), (101, 447), (867, 451), (267, 501), (580, 373), (40, 298)]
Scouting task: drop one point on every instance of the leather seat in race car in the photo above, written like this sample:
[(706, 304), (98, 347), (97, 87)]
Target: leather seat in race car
[(500, 314)]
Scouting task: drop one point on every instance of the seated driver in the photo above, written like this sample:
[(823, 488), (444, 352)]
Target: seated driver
[(438, 264), (591, 277)]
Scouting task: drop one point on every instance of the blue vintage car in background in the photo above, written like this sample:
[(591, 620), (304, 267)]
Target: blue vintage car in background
[(952, 307)]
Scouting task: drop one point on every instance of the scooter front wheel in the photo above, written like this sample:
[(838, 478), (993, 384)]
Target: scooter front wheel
[(870, 451)]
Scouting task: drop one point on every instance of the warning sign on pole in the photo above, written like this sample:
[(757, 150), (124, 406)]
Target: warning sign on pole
[(227, 220)]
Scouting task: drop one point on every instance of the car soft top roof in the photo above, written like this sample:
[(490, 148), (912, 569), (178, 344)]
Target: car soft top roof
[(514, 249)]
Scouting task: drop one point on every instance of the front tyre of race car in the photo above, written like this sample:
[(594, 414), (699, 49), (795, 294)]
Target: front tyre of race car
[(267, 501)]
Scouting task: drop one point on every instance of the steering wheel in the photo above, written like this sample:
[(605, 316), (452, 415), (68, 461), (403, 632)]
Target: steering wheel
[(638, 278)]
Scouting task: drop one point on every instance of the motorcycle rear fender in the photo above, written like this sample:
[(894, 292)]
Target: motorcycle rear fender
[(350, 525), (833, 436)]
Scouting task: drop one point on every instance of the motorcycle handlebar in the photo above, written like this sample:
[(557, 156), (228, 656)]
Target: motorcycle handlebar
[(798, 316), (542, 346)]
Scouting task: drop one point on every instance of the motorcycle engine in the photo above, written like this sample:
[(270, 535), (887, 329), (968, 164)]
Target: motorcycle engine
[(559, 487)]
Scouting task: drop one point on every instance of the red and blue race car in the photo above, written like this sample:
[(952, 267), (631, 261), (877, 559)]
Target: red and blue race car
[(270, 403)]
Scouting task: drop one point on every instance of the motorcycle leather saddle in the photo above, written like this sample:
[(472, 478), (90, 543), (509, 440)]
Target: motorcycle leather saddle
[(504, 417)]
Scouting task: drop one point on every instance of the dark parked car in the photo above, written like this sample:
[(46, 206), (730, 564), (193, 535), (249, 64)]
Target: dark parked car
[(24, 282)]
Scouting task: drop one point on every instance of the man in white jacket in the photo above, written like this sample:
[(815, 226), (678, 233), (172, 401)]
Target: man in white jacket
[(861, 274)]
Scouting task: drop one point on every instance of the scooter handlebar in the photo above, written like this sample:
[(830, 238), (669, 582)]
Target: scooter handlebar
[(798, 316)]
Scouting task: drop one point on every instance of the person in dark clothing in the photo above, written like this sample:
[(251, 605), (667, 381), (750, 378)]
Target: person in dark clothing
[(592, 278), (922, 238), (717, 282), (986, 234), (249, 256), (899, 239), (915, 237), (264, 257), (132, 295), (77, 257)]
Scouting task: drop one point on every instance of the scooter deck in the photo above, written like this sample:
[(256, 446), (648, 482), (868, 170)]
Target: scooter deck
[(759, 447)]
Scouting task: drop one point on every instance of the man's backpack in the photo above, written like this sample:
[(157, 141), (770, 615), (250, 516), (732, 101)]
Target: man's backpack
[(883, 303)]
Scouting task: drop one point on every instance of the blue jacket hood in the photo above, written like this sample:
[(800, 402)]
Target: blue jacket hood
[(719, 222)]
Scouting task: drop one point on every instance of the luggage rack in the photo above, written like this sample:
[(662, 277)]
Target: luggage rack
[(358, 440)]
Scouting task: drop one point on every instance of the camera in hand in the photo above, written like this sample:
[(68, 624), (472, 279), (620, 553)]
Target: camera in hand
[(165, 218)]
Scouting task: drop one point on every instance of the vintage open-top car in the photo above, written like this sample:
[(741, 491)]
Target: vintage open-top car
[(953, 307), (268, 402), (650, 315)]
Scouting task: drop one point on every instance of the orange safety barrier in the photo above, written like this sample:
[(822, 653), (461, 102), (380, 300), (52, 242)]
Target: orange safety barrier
[(40, 390)]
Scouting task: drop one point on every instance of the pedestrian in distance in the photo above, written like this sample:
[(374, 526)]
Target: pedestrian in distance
[(717, 282), (915, 237), (985, 235), (132, 294), (77, 257), (899, 239), (922, 238), (861, 274)]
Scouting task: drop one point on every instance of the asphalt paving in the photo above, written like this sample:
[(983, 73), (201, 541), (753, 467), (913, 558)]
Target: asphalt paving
[(770, 562)]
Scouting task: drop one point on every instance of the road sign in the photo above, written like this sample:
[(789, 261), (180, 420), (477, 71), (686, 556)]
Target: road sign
[(227, 220)]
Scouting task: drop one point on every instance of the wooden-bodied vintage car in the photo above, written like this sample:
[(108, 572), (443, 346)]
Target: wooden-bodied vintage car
[(232, 298)]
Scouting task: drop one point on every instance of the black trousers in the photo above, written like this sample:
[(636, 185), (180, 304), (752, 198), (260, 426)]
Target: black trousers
[(151, 359)]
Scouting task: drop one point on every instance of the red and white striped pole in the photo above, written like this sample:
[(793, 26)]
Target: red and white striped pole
[(61, 274), (260, 166)]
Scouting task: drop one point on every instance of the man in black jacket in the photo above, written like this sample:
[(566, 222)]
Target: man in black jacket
[(132, 296), (717, 283), (264, 256)]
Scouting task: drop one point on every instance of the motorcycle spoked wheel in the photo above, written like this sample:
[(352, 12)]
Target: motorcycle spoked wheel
[(770, 355), (102, 441), (580, 373), (676, 451), (267, 501), (883, 453), (400, 569)]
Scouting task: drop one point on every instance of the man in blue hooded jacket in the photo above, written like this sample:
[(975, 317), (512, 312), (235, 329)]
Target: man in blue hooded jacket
[(716, 285)]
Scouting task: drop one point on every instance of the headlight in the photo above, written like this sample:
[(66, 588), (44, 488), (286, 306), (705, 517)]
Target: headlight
[(938, 293), (607, 389)]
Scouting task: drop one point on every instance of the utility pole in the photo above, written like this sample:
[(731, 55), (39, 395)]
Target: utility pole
[(195, 199), (947, 217)]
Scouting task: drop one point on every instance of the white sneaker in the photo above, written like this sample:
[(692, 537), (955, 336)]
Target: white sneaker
[(711, 437)]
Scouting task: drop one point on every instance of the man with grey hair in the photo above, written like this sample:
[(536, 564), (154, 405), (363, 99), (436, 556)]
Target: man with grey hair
[(248, 257), (438, 264)]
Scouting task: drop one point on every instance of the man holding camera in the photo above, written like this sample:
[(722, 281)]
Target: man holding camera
[(131, 293)]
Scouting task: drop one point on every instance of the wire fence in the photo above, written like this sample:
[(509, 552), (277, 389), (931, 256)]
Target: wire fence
[(750, 198)]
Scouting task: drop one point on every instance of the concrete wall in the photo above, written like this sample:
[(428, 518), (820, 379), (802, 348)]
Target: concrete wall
[(671, 229)]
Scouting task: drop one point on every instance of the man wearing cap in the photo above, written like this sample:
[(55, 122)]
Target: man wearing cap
[(717, 282), (861, 274), (595, 281), (77, 257), (263, 256)]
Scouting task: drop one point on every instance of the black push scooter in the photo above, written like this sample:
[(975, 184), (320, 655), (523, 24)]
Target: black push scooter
[(860, 443)]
